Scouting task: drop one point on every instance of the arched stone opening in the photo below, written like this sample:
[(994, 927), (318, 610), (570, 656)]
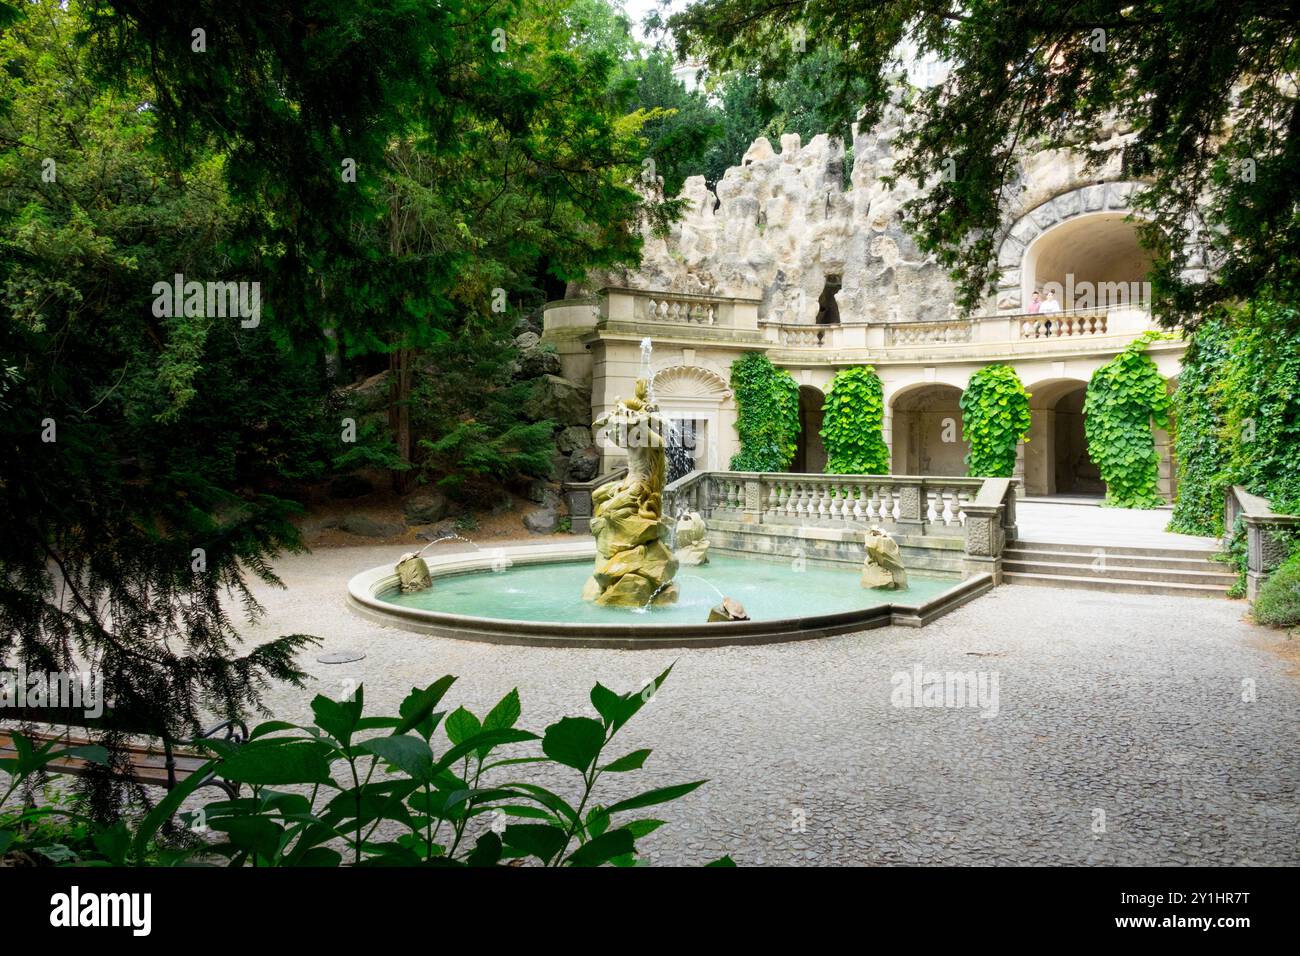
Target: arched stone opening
[(810, 453), (1056, 456), (1081, 232), (1091, 261), (926, 431)]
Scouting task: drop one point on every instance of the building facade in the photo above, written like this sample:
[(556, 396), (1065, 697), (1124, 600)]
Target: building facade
[(793, 258)]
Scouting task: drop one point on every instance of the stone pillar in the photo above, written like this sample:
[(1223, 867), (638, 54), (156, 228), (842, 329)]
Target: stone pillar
[(985, 538), (911, 514), (752, 510)]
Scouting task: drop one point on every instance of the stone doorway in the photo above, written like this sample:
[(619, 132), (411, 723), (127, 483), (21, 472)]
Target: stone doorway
[(810, 453), (927, 432)]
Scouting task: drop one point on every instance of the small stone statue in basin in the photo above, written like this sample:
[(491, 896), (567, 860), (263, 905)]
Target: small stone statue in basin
[(690, 543), (413, 573), (883, 567)]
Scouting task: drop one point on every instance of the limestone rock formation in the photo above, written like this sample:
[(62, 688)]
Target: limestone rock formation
[(883, 567), (634, 566), (690, 541)]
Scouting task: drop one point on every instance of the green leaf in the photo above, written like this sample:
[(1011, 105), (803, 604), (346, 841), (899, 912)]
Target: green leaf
[(505, 713), (409, 754), (536, 839), (271, 762), (603, 848), (461, 725), (417, 709), (632, 761), (722, 861), (574, 741)]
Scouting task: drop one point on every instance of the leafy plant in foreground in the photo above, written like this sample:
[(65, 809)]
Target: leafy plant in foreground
[(398, 797), (995, 418)]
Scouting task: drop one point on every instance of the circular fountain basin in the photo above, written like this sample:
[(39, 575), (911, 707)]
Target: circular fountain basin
[(531, 594)]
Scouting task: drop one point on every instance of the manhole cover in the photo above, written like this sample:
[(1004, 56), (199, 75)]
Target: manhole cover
[(341, 657)]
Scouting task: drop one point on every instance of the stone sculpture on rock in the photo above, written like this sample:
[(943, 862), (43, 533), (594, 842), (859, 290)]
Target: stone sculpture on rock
[(690, 544), (883, 568), (634, 565)]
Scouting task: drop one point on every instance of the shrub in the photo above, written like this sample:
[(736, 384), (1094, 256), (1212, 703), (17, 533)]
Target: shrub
[(767, 419), (994, 419), (851, 428), (1278, 601)]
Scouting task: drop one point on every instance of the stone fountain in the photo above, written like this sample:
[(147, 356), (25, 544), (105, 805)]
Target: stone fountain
[(634, 564)]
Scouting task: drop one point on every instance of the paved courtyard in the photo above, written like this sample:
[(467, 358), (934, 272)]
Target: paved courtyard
[(1121, 735)]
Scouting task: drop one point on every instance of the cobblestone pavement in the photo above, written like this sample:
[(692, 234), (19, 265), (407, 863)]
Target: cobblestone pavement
[(1121, 735)]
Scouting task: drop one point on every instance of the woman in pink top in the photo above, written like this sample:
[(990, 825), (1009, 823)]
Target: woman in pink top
[(1034, 304)]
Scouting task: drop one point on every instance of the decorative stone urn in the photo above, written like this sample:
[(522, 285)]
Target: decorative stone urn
[(883, 568), (634, 565), (690, 544)]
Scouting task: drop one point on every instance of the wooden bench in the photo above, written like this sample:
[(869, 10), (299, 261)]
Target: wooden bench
[(150, 765)]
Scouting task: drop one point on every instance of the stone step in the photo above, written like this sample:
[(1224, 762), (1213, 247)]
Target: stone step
[(1149, 551), (1106, 558), (1156, 574), (1113, 585)]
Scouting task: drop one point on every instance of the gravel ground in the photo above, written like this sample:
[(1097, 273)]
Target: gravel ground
[(1120, 737)]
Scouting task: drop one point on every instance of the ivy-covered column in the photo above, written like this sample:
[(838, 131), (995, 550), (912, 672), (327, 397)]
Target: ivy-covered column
[(767, 414), (995, 419), (1126, 396), (852, 426)]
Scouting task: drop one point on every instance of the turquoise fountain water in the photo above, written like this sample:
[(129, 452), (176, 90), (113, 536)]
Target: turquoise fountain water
[(769, 591)]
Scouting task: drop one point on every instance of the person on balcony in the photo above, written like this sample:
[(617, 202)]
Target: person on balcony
[(1049, 307), (1035, 303)]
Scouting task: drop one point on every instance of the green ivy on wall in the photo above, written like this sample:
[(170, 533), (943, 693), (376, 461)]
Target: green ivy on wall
[(767, 420), (1238, 413), (1199, 448), (1125, 396), (994, 419), (851, 427)]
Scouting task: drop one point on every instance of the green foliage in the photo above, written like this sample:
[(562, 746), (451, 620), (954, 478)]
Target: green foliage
[(851, 426), (320, 794), (1259, 393), (473, 450), (995, 418), (1125, 396), (1200, 449), (767, 419), (1237, 409), (1278, 601), (1196, 83)]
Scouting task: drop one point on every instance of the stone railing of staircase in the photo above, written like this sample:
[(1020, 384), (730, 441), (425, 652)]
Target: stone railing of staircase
[(1265, 547), (973, 516)]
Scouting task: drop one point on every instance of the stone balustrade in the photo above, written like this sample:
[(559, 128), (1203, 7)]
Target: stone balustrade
[(1073, 324), (1016, 330), (1265, 530), (926, 333), (678, 309), (979, 513)]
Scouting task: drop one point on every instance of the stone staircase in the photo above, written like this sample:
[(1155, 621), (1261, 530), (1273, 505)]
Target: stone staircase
[(1187, 572)]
